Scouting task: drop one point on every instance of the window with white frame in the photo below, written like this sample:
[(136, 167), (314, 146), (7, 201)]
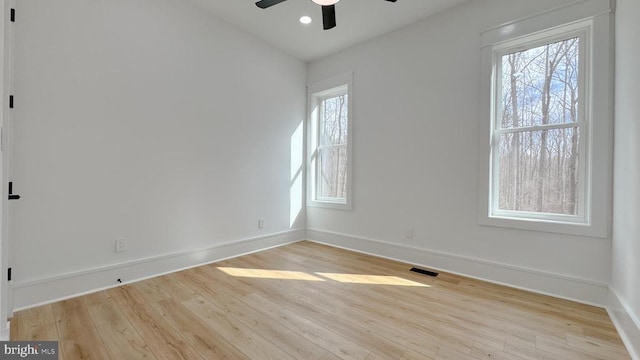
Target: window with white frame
[(330, 143), (539, 153), (548, 131)]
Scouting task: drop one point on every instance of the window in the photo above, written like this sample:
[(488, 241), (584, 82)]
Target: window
[(549, 131), (539, 155), (329, 143)]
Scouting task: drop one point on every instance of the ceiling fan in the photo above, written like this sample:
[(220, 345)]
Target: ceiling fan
[(328, 10)]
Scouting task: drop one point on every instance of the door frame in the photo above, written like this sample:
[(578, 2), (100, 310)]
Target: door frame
[(6, 81)]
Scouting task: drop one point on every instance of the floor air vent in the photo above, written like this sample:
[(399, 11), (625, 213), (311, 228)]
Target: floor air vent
[(425, 272)]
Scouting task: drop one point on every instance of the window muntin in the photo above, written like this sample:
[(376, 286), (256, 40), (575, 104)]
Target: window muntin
[(539, 150)]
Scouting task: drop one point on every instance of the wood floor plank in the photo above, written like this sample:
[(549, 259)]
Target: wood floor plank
[(308, 301), (79, 338), (607, 335), (597, 347), (315, 331), (446, 353), (121, 339), (330, 356), (204, 339), (246, 339), (526, 350), (151, 291), (312, 301), (289, 341), (172, 286), (36, 324), (160, 336), (412, 355), (484, 352), (372, 342), (14, 330), (201, 280), (347, 307), (561, 350), (447, 319)]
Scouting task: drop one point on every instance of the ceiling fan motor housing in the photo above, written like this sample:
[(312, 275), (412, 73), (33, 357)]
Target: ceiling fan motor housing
[(328, 10)]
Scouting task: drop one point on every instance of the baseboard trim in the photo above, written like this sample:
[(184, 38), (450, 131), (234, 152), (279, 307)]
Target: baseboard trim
[(558, 285), (4, 332), (27, 294), (626, 322)]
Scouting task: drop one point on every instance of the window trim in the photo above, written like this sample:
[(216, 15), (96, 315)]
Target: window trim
[(316, 93), (593, 17)]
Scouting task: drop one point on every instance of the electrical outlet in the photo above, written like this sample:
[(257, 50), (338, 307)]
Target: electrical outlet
[(121, 244), (409, 233), (260, 223)]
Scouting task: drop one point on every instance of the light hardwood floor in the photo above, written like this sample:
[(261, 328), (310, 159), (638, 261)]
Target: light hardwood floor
[(310, 301)]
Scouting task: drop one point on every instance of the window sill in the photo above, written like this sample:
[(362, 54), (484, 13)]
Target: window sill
[(329, 205), (558, 227)]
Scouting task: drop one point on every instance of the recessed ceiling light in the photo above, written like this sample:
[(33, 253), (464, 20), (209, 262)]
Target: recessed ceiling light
[(325, 2), (305, 20)]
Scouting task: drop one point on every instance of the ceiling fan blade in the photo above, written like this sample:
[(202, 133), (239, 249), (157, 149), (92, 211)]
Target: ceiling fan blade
[(263, 4), (329, 16)]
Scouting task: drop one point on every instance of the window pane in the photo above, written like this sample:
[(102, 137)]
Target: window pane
[(538, 171), (332, 182), (540, 85), (334, 121)]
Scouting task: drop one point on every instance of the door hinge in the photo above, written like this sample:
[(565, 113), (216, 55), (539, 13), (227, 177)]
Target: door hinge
[(10, 101), (13, 15), (11, 196), (9, 274)]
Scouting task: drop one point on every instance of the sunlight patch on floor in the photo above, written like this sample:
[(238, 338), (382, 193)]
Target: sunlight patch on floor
[(269, 274), (319, 276), (371, 279)]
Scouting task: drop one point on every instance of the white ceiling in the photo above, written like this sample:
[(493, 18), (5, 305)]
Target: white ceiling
[(358, 20)]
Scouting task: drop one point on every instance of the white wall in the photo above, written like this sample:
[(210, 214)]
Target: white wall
[(416, 123), (625, 280), (149, 120)]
